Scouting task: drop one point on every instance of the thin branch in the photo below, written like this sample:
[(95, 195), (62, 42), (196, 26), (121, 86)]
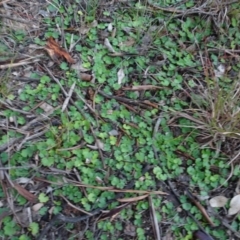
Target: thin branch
[(14, 19)]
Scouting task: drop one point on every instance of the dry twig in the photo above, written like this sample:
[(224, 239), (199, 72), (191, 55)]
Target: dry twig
[(14, 18)]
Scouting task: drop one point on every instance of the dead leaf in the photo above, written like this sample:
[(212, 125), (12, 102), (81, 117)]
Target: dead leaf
[(113, 132), (234, 205), (219, 72), (55, 51), (86, 77), (110, 27), (133, 199), (23, 217), (25, 193), (130, 42), (46, 107), (37, 207), (78, 67), (218, 201), (130, 230)]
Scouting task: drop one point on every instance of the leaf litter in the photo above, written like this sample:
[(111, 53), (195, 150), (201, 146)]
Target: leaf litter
[(136, 94), (55, 51)]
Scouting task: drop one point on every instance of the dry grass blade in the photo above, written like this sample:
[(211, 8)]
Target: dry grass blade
[(68, 97), (133, 199), (21, 63), (110, 189), (214, 110), (77, 208), (141, 88), (9, 143), (200, 207), (190, 117), (154, 219), (113, 212)]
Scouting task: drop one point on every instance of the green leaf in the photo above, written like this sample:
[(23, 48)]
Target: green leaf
[(43, 198), (47, 161), (34, 228), (10, 228), (64, 66)]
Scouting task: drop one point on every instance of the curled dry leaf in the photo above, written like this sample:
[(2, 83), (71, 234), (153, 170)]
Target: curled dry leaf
[(55, 51), (218, 201), (234, 205)]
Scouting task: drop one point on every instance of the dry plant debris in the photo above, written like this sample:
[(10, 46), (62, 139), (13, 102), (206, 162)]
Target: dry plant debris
[(55, 51), (128, 128)]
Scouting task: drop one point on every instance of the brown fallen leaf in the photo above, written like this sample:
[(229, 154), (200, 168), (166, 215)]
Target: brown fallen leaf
[(130, 230), (25, 193), (86, 77), (55, 51)]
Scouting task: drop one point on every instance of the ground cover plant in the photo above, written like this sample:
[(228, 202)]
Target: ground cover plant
[(119, 119)]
